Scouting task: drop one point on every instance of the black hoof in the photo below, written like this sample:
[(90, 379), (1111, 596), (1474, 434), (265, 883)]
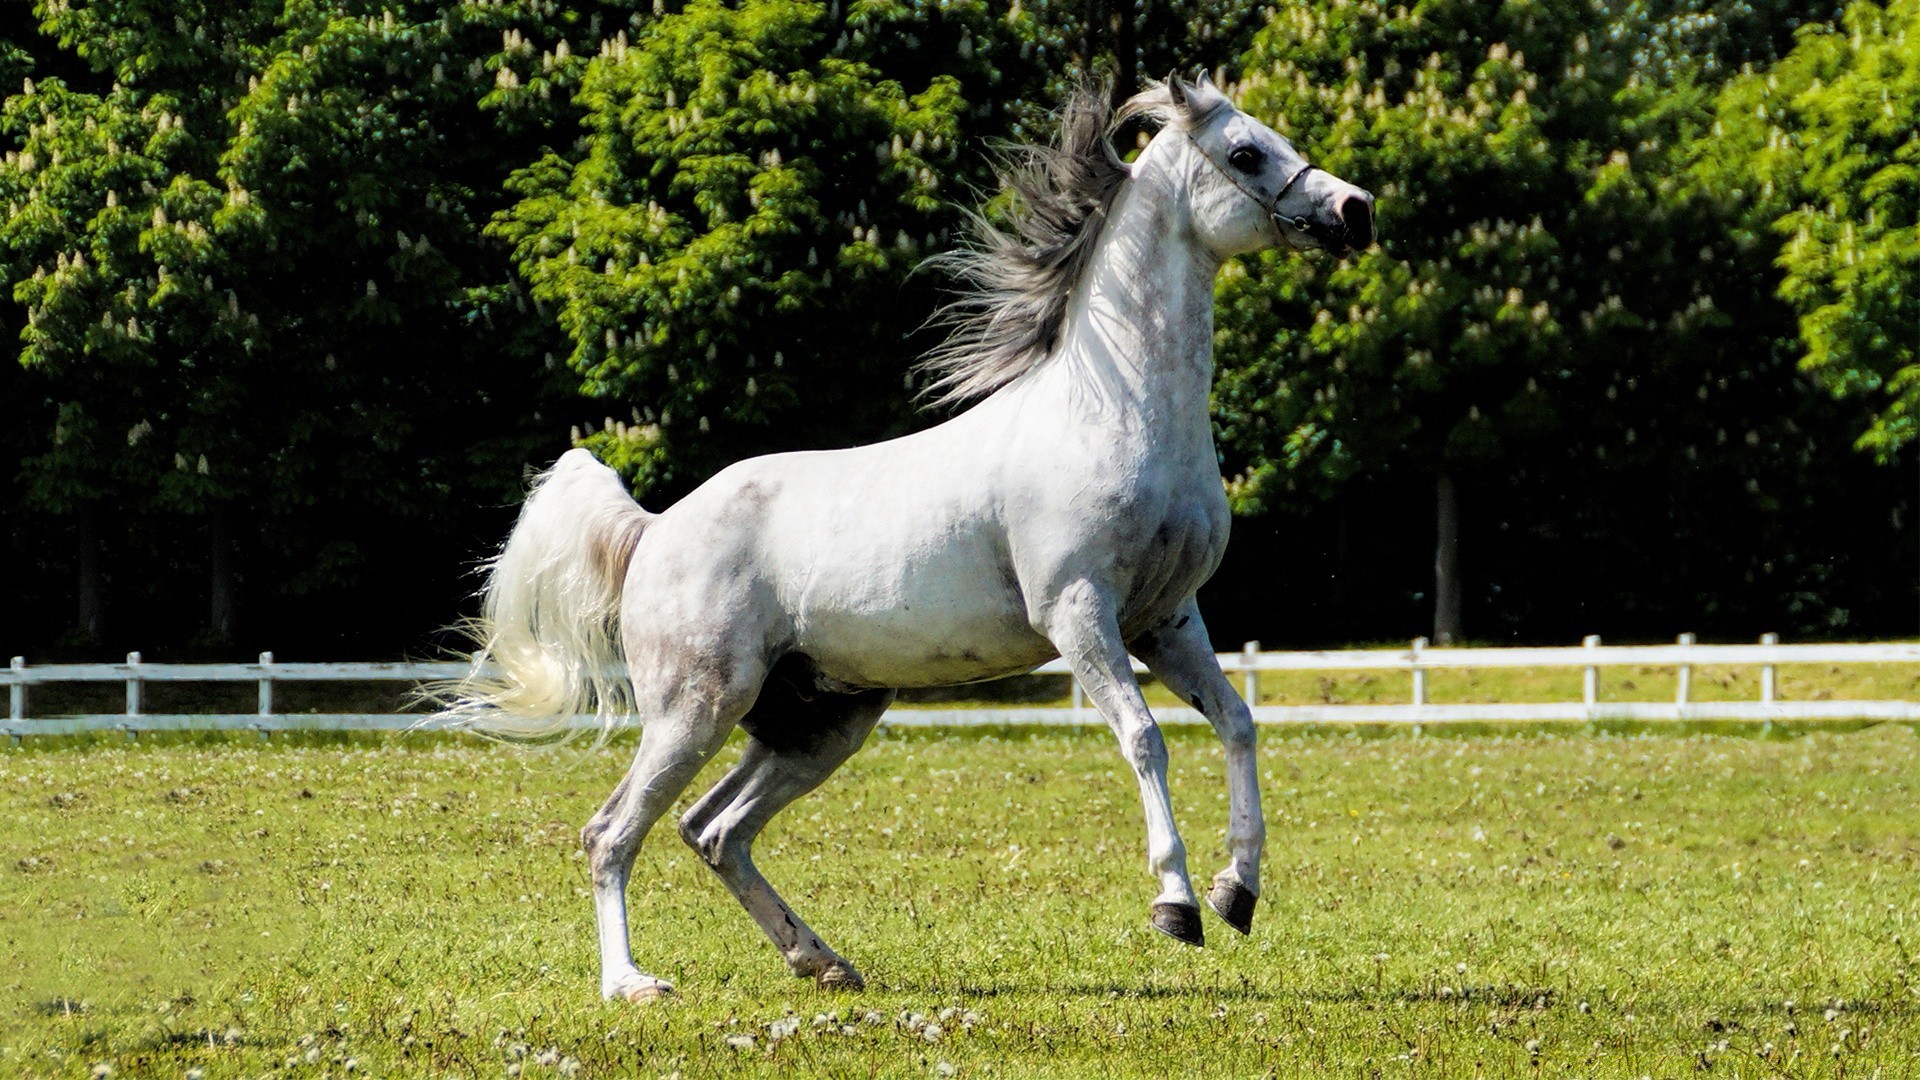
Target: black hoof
[(1234, 903), (1179, 922)]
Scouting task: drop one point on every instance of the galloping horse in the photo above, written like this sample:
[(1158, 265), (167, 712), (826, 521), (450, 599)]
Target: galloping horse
[(1072, 511)]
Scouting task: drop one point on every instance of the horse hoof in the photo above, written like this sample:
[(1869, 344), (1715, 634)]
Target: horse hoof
[(839, 975), (643, 989), (1181, 922), (1233, 902)]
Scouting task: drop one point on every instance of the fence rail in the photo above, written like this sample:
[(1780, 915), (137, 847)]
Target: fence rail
[(1417, 660)]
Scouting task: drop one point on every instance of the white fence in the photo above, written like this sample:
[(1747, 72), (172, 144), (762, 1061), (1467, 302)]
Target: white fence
[(1416, 662)]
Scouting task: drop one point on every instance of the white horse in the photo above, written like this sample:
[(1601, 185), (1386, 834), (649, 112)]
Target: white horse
[(1072, 512)]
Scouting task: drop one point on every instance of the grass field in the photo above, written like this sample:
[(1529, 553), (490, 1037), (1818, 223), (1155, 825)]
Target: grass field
[(1482, 902)]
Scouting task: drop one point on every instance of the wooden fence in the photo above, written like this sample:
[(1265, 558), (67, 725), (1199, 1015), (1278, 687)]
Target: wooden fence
[(1416, 663)]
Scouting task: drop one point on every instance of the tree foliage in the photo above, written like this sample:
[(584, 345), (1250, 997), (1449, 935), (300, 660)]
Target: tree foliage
[(341, 269), (1825, 149), (732, 253), (1556, 315)]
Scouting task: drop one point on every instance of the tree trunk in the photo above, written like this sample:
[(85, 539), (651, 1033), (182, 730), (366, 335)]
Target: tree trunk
[(1342, 560), (224, 593), (91, 613), (1446, 562)]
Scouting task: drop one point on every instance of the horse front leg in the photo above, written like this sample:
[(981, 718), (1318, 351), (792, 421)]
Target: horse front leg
[(1085, 629), (1179, 654)]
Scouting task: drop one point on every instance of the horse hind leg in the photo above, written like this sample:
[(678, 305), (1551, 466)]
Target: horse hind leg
[(796, 745), (675, 741)]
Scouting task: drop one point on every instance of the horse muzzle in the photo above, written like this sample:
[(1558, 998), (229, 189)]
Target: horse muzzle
[(1355, 213), (1344, 228)]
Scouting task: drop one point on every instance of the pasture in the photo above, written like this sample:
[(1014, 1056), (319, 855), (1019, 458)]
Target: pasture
[(1473, 902)]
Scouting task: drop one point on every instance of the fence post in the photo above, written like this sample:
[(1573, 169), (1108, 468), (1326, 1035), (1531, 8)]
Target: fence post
[(1683, 689), (1419, 673), (1079, 697), (266, 688), (17, 694), (133, 690), (1768, 677), (1590, 692), (1249, 661)]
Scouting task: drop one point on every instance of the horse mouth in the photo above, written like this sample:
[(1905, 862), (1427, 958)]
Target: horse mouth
[(1334, 238)]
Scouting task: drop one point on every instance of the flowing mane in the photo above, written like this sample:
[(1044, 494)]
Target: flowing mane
[(1015, 281)]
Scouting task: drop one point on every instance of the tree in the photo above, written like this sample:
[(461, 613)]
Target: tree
[(1832, 135), (106, 242), (1541, 303), (730, 257), (253, 278)]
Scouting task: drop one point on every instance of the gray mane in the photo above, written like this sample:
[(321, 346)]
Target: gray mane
[(1015, 281)]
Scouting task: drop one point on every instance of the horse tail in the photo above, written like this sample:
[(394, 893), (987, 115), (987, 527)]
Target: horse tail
[(549, 626)]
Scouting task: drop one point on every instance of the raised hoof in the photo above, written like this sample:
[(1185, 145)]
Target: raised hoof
[(645, 988), (839, 975), (1179, 922), (1234, 903)]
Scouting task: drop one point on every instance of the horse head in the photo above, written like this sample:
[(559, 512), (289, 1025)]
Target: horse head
[(1255, 190)]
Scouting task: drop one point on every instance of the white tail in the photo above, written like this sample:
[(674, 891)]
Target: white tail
[(550, 617)]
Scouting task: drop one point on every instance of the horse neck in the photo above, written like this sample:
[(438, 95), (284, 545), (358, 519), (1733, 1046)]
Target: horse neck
[(1138, 345)]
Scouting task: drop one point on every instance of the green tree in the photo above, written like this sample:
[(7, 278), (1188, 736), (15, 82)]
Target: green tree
[(1825, 149), (107, 245), (730, 256), (251, 275), (1541, 294)]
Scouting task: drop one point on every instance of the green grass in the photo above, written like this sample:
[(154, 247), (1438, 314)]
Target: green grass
[(1540, 901)]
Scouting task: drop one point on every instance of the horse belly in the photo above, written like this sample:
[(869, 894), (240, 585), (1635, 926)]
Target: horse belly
[(929, 632)]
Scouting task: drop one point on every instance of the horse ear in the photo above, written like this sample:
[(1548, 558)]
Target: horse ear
[(1178, 91), (1205, 81)]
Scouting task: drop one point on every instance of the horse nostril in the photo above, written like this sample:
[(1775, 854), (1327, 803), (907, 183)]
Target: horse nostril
[(1356, 220)]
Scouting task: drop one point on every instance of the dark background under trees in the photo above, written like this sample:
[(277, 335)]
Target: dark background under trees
[(298, 290)]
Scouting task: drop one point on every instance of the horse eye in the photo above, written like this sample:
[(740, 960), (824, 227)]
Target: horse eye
[(1246, 158)]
